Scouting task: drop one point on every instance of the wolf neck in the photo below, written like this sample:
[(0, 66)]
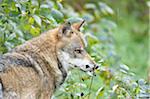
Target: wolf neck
[(63, 71)]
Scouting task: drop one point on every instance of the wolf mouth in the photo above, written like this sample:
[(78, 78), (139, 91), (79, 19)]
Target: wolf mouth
[(80, 68)]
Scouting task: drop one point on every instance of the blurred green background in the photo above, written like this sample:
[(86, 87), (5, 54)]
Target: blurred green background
[(131, 33), (117, 35)]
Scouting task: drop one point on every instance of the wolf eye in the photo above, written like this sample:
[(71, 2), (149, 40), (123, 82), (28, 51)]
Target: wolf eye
[(79, 51)]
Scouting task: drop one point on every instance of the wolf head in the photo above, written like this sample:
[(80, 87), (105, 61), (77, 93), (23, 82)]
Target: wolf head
[(72, 53)]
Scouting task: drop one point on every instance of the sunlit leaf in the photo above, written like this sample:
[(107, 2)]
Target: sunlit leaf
[(123, 71), (11, 36), (88, 17), (90, 6), (57, 14), (100, 92), (53, 21), (31, 20), (18, 5), (24, 1), (21, 39), (124, 67), (37, 19), (44, 6), (74, 19), (148, 3), (141, 81), (105, 9), (134, 85), (34, 31), (115, 87), (143, 96), (60, 6), (9, 45)]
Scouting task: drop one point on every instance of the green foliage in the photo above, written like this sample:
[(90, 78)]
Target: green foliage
[(21, 20)]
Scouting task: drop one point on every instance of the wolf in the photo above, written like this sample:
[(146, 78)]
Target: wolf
[(35, 69)]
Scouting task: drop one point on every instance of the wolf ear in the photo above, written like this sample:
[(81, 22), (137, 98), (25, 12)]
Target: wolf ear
[(63, 29), (78, 25)]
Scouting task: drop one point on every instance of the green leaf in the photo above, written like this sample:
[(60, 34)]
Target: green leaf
[(74, 19), (105, 8), (57, 15), (148, 3), (90, 6), (115, 87), (37, 19), (123, 71), (60, 6), (100, 92), (9, 45), (11, 36), (31, 20), (44, 6), (34, 31), (53, 21), (141, 81), (124, 67), (88, 17)]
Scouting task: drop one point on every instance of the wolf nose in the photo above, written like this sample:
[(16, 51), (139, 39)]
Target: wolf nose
[(87, 66)]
